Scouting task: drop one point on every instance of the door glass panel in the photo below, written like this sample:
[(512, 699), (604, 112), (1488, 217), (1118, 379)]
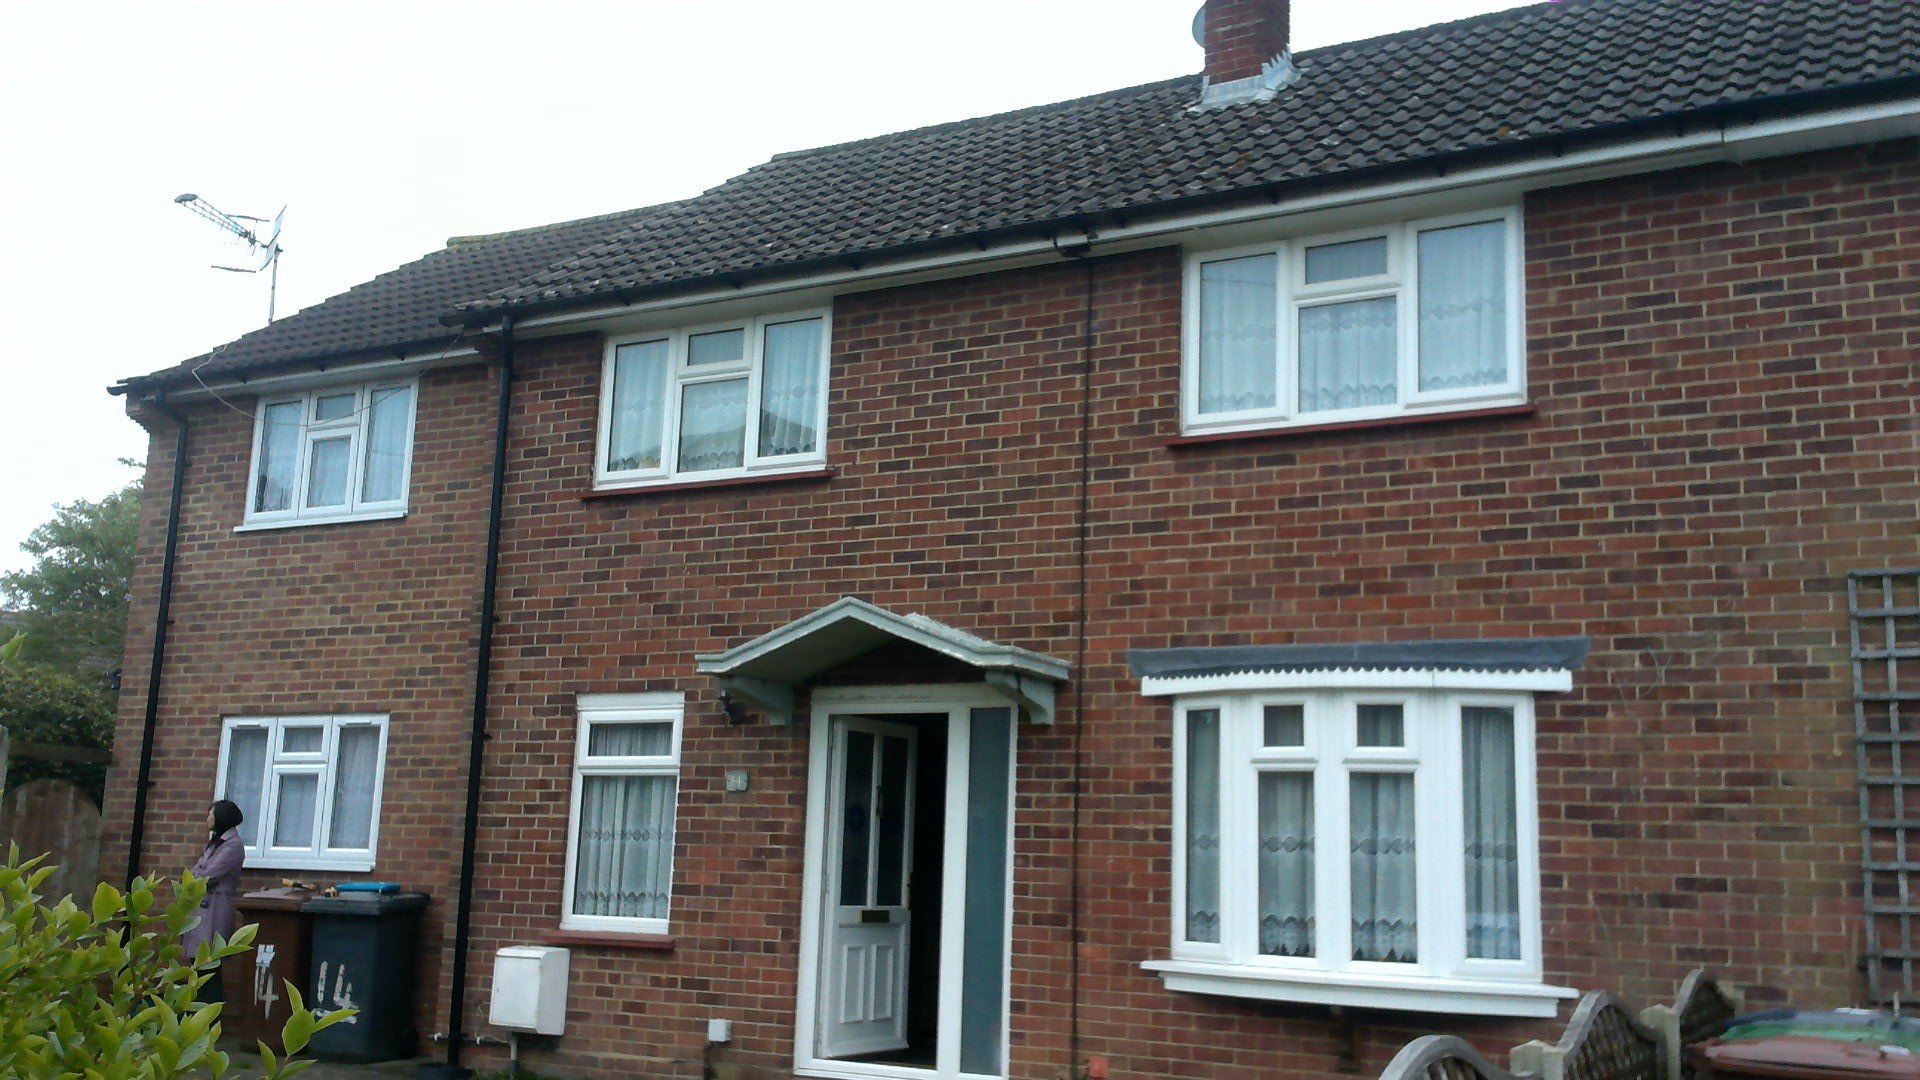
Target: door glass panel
[(983, 971), (890, 876), (327, 472), (294, 814), (856, 815)]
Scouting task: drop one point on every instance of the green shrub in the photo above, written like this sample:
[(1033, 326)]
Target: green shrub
[(103, 993)]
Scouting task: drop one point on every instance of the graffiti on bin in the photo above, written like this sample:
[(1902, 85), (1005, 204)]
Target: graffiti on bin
[(263, 995), (342, 992)]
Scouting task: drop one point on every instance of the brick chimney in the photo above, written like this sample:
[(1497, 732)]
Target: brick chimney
[(1242, 36)]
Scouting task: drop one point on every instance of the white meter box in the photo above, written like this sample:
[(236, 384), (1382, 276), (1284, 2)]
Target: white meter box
[(530, 989)]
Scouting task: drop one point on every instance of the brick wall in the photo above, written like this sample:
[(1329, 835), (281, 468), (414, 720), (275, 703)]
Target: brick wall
[(1724, 366)]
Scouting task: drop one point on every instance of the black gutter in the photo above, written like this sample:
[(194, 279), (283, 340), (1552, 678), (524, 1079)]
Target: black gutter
[(477, 740), (1555, 144), (136, 842)]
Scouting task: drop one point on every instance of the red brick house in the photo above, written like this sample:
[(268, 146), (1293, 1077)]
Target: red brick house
[(1210, 579)]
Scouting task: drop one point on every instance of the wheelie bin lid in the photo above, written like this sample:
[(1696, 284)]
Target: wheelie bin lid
[(365, 904), (281, 899)]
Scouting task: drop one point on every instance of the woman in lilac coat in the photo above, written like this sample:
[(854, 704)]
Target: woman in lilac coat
[(218, 866)]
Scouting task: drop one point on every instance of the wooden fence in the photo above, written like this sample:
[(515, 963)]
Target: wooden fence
[(1605, 1040)]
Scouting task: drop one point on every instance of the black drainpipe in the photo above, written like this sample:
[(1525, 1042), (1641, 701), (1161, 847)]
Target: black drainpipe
[(136, 842), (477, 741)]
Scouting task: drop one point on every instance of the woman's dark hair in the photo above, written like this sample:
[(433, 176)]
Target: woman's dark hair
[(225, 816)]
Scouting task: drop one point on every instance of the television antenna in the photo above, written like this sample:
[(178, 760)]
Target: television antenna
[(248, 228)]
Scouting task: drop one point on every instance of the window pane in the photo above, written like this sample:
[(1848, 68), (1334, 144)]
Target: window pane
[(1349, 355), (1286, 864), (1492, 833), (856, 818), (1463, 306), (1352, 259), (719, 347), (1384, 923), (1238, 335), (983, 972), (1380, 725), (1203, 825), (713, 425), (327, 472), (639, 406), (306, 739), (622, 863), (356, 768), (790, 389), (1286, 725), (630, 740), (293, 814), (279, 458), (334, 407), (246, 773), (387, 444), (891, 874)]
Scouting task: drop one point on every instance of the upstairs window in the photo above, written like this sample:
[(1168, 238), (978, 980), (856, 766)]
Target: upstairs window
[(1411, 318), (339, 453), (735, 399)]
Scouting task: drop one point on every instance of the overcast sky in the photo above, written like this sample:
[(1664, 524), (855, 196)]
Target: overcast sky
[(387, 127)]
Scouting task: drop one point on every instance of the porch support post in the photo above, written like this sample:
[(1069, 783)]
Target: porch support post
[(1032, 694), (776, 699)]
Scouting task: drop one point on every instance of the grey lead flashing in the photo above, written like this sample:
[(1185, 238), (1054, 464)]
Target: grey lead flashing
[(1488, 654)]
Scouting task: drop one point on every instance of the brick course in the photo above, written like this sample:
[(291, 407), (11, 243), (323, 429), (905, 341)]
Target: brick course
[(1723, 366)]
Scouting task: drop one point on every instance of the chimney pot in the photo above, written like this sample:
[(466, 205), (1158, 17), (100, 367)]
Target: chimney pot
[(1242, 37)]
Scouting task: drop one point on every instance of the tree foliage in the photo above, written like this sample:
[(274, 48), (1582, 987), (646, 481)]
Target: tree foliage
[(72, 602), (40, 705), (103, 993)]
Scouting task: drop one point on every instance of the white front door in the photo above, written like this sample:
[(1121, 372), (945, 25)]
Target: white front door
[(870, 865)]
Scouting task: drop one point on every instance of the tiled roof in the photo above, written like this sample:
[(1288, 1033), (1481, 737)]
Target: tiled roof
[(1508, 81), (1526, 74), (400, 311)]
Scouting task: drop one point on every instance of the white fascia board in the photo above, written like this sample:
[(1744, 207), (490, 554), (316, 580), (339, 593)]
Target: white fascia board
[(1470, 997), (1551, 681), (368, 371), (1729, 142)]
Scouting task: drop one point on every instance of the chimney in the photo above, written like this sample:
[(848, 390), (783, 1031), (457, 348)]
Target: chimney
[(1246, 43)]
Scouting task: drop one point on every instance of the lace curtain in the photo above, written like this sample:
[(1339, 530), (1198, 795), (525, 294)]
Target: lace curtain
[(622, 863), (1286, 863), (279, 458), (1238, 351), (1492, 834), (790, 389), (355, 770), (1463, 306), (246, 775), (1384, 922), (639, 406), (1203, 825), (386, 444), (1349, 355), (713, 425), (293, 810)]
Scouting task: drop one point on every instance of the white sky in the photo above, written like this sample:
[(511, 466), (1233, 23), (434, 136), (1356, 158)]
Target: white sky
[(387, 127)]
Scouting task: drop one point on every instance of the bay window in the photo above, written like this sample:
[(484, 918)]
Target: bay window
[(334, 454), (1405, 319), (626, 776), (1359, 846), (714, 402), (308, 788)]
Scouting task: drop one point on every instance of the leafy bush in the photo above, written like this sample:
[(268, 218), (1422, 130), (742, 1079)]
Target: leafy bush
[(40, 705), (104, 993)]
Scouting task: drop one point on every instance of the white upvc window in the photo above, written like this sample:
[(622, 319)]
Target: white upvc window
[(733, 399), (1404, 319), (338, 453), (626, 775), (308, 788), (1365, 847)]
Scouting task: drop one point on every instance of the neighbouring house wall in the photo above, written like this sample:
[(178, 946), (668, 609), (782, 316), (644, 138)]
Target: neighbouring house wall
[(368, 617), (1723, 362)]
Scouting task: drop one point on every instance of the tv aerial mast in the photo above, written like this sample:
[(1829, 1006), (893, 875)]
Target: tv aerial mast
[(248, 228)]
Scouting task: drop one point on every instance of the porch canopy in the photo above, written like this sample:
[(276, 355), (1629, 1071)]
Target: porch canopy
[(766, 670)]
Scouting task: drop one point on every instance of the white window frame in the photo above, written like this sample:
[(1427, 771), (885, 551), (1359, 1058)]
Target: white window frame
[(1402, 281), (352, 427), (318, 855), (1444, 978), (679, 375), (621, 709)]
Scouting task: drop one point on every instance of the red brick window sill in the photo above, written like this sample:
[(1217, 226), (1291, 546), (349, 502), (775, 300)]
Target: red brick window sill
[(705, 485), (1350, 425), (630, 942)]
